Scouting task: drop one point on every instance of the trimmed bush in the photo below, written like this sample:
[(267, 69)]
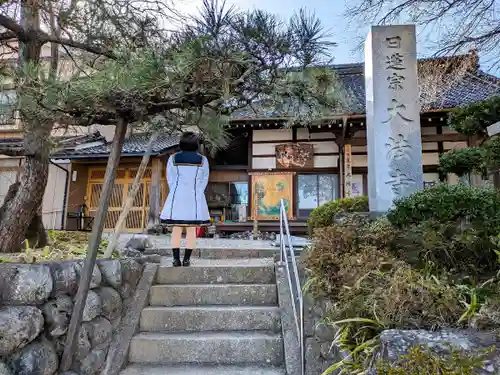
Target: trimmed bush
[(443, 203), (449, 227), (323, 216), (448, 247), (462, 161)]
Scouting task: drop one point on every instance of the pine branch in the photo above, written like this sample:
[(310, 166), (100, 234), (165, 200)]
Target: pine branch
[(13, 26)]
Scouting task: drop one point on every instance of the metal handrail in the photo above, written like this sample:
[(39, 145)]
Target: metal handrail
[(287, 252)]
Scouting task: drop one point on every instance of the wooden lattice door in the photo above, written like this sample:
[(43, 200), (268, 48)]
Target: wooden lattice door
[(137, 218)]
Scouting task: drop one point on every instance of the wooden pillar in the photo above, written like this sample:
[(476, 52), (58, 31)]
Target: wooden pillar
[(155, 193)]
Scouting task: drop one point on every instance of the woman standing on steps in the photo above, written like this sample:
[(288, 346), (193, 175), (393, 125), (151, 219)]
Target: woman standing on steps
[(186, 205)]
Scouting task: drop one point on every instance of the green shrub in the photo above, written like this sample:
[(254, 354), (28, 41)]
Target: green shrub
[(371, 289), (450, 227), (425, 361), (445, 203), (445, 246), (492, 153), (323, 215), (462, 161), (474, 118), (368, 282)]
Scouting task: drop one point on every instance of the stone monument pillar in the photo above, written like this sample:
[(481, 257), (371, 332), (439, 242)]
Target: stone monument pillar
[(392, 116)]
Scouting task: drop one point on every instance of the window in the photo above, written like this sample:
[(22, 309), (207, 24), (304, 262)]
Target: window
[(239, 193), (314, 190), (239, 201)]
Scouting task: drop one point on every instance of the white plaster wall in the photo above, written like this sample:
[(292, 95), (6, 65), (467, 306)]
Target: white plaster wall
[(263, 163), (272, 134), (7, 178), (359, 149), (427, 159), (264, 148), (430, 158), (430, 146), (428, 177), (453, 145), (429, 130), (326, 161), (359, 160), (360, 134), (53, 199), (303, 134)]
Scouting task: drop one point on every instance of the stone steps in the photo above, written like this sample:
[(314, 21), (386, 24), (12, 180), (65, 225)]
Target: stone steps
[(213, 294), (219, 316), (222, 253), (218, 271), (210, 318), (218, 348), (202, 370)]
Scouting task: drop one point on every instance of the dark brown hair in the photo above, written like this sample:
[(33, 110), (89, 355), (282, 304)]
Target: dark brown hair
[(189, 142)]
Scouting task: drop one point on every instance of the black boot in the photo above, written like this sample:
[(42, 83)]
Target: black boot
[(177, 257), (187, 256)]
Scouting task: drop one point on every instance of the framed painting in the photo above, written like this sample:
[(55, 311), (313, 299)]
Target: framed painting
[(267, 191)]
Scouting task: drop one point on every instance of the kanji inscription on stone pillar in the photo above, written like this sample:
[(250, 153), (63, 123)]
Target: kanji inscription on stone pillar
[(392, 115)]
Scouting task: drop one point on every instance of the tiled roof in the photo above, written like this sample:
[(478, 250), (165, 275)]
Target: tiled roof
[(470, 86), (134, 145), (15, 146)]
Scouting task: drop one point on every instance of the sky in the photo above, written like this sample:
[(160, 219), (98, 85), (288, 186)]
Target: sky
[(348, 35)]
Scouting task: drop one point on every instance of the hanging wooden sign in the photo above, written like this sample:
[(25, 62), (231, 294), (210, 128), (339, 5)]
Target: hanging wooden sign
[(347, 171), (295, 155)]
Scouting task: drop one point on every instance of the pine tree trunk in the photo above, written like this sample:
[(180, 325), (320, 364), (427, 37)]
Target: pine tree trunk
[(18, 214), (131, 196)]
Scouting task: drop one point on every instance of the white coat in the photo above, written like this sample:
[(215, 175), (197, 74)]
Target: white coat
[(187, 178)]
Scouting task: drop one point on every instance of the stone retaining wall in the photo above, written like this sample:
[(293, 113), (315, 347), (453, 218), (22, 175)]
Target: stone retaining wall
[(319, 352), (36, 302)]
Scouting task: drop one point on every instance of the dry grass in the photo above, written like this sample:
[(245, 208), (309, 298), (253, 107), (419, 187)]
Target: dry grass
[(64, 245)]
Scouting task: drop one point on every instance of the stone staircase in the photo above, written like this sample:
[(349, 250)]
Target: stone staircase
[(217, 317)]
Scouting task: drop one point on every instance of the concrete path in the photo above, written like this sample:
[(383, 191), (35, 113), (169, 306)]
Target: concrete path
[(163, 242)]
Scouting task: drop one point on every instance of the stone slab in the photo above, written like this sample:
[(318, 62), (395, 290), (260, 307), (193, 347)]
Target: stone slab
[(394, 343), (494, 129), (210, 318), (215, 294), (218, 271), (221, 253), (394, 139), (297, 242), (201, 370), (207, 348)]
